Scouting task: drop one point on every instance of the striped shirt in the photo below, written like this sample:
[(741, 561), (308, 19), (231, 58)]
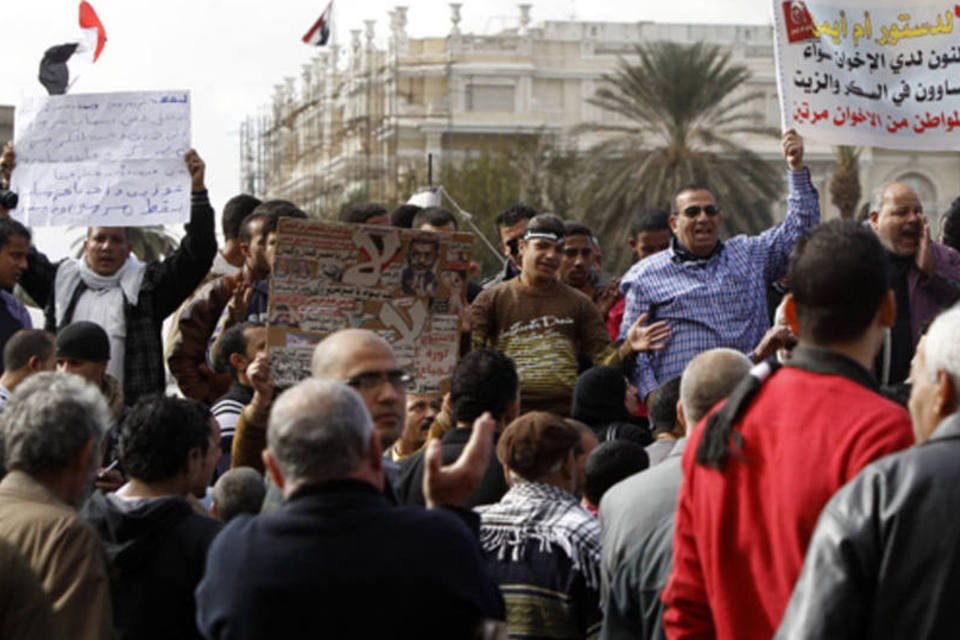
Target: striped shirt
[(718, 302)]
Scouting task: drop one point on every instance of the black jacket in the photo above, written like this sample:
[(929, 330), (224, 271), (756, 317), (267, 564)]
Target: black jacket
[(338, 561), (156, 554), (884, 561), (410, 482)]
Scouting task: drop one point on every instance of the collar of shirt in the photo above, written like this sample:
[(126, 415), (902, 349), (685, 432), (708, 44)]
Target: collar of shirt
[(682, 254), (820, 360)]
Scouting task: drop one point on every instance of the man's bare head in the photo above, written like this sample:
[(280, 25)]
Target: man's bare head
[(708, 379), (365, 361)]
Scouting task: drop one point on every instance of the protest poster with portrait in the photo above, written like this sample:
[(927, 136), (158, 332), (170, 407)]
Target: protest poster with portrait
[(879, 73), (408, 286)]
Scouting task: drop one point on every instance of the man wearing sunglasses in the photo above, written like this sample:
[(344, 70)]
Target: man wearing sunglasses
[(712, 293)]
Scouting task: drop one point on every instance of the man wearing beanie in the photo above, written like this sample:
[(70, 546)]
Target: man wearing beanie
[(82, 348), (542, 547)]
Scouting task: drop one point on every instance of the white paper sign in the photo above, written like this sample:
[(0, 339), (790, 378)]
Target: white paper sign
[(107, 159), (884, 74)]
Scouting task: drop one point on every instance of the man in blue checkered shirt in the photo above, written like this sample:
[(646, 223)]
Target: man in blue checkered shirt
[(712, 293)]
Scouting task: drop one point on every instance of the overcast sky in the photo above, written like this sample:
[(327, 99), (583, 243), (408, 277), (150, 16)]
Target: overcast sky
[(230, 53)]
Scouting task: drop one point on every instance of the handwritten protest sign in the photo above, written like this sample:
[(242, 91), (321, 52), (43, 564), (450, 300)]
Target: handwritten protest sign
[(408, 286), (884, 73), (105, 159)]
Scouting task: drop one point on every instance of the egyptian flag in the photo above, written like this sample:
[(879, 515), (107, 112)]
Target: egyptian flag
[(57, 70), (320, 31)]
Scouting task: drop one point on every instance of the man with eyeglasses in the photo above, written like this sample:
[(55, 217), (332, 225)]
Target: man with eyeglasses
[(712, 293)]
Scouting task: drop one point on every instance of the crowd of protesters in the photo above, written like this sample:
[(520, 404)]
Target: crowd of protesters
[(739, 437)]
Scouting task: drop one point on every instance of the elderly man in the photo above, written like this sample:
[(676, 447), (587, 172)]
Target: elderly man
[(336, 542), (924, 275), (128, 298), (882, 561), (713, 293), (631, 511), (758, 472), (52, 427)]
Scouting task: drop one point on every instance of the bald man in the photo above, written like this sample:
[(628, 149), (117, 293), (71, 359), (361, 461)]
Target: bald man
[(365, 361), (924, 275), (631, 510)]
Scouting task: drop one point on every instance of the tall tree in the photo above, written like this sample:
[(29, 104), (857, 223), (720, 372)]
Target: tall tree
[(677, 115), (845, 183)]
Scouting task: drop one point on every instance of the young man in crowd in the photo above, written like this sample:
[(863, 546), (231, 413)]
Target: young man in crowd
[(27, 352), (548, 328), (783, 443), (485, 381), (511, 223), (226, 301), (156, 543), (882, 561), (14, 247), (238, 348)]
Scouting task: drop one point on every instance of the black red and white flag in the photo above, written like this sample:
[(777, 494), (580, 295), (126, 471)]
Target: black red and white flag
[(319, 33), (61, 63)]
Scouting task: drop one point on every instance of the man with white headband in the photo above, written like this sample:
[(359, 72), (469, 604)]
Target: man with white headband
[(547, 327)]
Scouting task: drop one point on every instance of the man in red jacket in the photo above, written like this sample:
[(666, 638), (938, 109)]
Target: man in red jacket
[(758, 471)]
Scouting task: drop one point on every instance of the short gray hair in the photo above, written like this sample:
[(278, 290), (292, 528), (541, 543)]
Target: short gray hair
[(708, 379), (239, 490), (50, 419), (319, 430), (941, 347)]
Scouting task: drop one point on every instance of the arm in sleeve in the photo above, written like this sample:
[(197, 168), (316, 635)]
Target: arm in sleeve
[(636, 305), (481, 321), (944, 285), (249, 441), (687, 613), (187, 361), (78, 586), (186, 267), (803, 213), (39, 277), (831, 598)]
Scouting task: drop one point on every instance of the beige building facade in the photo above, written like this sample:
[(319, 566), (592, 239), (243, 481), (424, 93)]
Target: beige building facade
[(362, 119)]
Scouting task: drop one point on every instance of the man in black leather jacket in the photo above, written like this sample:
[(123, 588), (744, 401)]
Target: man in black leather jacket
[(884, 561)]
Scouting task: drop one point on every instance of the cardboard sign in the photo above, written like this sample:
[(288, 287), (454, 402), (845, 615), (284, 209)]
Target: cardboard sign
[(407, 286)]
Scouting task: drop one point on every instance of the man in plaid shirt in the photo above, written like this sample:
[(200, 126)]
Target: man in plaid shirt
[(712, 293)]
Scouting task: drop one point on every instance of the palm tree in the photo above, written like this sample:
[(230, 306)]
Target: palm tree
[(845, 183), (681, 109)]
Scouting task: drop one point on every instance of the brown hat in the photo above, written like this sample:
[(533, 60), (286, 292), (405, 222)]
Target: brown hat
[(535, 442)]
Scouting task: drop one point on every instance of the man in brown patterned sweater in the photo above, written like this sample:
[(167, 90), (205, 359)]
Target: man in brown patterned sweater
[(547, 327)]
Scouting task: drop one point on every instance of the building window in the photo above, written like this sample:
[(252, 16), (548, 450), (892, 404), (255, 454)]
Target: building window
[(490, 97)]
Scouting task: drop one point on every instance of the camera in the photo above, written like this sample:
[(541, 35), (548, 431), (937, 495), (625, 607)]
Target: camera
[(8, 199)]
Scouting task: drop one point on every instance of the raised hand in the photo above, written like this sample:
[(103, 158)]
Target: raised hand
[(452, 485), (792, 144), (643, 337), (197, 168)]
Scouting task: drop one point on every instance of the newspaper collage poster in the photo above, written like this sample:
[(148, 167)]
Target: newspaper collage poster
[(882, 73), (405, 285)]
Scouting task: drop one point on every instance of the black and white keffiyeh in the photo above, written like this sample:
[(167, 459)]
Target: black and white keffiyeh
[(542, 514)]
